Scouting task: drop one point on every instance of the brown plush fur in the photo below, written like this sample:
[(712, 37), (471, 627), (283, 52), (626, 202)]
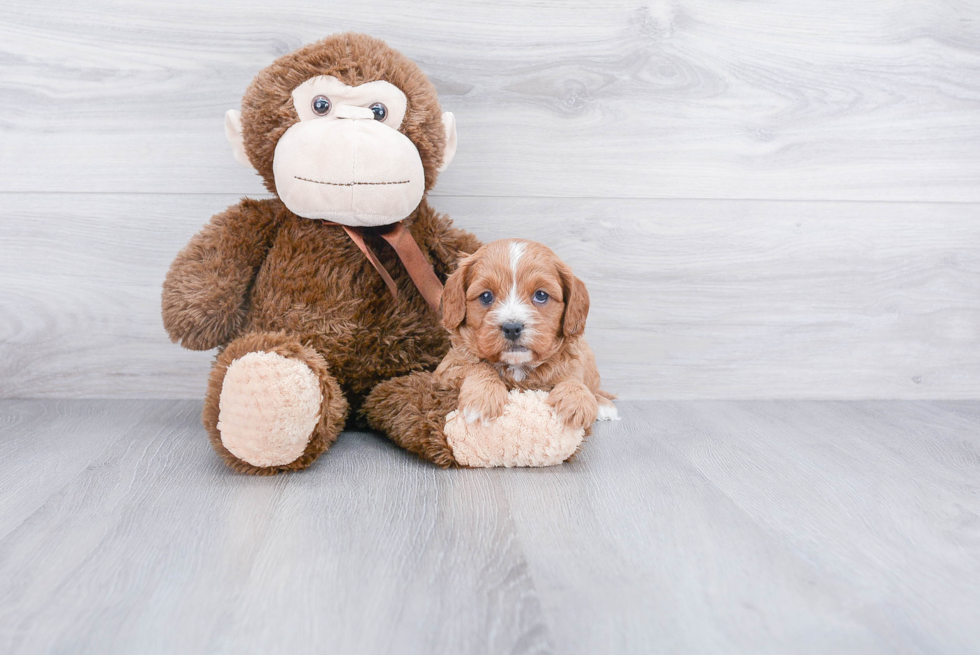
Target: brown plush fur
[(412, 411), (258, 277)]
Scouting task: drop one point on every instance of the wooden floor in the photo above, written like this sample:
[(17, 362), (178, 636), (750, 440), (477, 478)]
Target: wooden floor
[(688, 527)]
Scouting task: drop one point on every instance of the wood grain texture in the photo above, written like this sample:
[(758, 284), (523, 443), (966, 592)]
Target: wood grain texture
[(816, 99), (694, 527), (689, 298), (784, 527), (155, 547), (580, 125)]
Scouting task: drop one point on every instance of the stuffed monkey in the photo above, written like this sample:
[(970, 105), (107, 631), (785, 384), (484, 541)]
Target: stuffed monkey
[(316, 295)]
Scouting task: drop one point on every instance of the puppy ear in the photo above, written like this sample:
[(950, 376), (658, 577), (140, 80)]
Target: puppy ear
[(576, 303), (454, 296)]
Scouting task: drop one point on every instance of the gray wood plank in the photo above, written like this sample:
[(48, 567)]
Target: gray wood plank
[(639, 553), (689, 298), (881, 497), (46, 446), (813, 99), (695, 527), (789, 527), (158, 548)]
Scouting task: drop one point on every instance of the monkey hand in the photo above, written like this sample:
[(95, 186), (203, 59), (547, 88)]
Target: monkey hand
[(198, 316), (204, 303)]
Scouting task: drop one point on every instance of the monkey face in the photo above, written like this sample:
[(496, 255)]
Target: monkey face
[(346, 161), (359, 142)]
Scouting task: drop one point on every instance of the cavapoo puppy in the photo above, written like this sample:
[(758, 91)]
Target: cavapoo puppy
[(516, 314)]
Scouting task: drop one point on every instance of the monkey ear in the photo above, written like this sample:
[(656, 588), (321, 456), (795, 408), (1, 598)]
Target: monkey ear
[(576, 303), (448, 124), (454, 297), (233, 132)]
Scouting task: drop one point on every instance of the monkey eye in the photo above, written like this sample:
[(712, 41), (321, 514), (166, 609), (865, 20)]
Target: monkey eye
[(540, 297), (486, 298), (380, 111), (321, 105)]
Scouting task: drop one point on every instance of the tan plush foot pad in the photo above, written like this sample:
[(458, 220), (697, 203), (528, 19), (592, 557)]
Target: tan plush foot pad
[(268, 407), (527, 434)]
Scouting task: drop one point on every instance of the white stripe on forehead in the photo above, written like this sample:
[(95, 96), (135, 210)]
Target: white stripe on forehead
[(513, 308), (517, 249)]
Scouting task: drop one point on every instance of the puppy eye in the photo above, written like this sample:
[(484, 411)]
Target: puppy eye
[(540, 297), (486, 298), (380, 111), (321, 105)]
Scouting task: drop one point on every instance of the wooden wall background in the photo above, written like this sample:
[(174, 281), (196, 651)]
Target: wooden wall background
[(767, 199)]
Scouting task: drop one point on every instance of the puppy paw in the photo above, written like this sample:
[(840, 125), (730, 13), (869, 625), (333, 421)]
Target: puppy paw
[(480, 401), (472, 414), (575, 405), (607, 411)]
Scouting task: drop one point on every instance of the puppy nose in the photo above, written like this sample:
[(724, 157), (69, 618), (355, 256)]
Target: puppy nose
[(512, 330)]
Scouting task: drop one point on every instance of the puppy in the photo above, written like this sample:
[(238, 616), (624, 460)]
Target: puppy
[(515, 315)]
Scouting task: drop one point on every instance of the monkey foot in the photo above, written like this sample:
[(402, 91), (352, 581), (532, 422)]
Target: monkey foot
[(268, 408), (528, 433)]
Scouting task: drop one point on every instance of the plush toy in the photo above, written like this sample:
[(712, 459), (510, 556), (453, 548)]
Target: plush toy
[(330, 290), (319, 293)]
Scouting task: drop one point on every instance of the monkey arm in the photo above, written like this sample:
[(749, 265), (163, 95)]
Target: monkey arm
[(205, 290)]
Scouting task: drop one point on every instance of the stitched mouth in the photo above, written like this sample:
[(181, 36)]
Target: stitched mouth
[(350, 183)]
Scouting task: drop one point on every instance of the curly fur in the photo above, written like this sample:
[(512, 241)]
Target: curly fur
[(557, 358)]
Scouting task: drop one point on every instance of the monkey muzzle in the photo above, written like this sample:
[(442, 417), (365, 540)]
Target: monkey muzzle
[(354, 171)]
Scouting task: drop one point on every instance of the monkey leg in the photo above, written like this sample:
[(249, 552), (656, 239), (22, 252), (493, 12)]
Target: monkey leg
[(272, 405), (420, 416), (411, 410)]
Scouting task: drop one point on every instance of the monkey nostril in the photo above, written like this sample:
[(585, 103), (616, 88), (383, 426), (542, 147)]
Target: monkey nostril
[(512, 330)]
